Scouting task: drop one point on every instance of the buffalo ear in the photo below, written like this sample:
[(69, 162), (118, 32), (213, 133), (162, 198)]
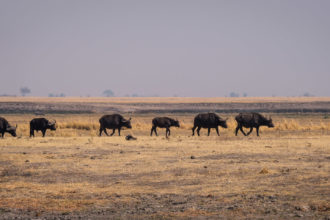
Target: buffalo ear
[(130, 118), (16, 125)]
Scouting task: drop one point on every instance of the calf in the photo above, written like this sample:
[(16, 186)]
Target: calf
[(163, 122)]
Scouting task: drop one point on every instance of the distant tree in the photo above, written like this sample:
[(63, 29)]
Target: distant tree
[(56, 95), (108, 93), (24, 91), (245, 94), (7, 95), (234, 94), (135, 95), (307, 94)]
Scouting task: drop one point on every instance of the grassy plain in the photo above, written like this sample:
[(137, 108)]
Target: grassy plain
[(282, 174)]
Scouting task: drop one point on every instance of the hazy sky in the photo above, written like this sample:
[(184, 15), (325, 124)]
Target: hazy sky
[(165, 48)]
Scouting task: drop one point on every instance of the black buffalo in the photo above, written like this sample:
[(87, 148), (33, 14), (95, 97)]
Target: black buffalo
[(41, 124), (208, 120), (6, 127), (163, 122), (115, 121), (252, 120)]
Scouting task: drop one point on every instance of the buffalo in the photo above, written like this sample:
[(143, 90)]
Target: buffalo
[(252, 120), (115, 121), (6, 127), (163, 122), (41, 124), (208, 120)]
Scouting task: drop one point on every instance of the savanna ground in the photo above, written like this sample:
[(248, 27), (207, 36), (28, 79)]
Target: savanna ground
[(73, 173)]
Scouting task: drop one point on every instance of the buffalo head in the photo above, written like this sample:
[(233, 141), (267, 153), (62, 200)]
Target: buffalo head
[(12, 130), (126, 123), (270, 123), (52, 125), (223, 123), (176, 123)]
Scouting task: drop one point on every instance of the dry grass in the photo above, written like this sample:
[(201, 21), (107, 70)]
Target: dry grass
[(87, 124), (275, 175)]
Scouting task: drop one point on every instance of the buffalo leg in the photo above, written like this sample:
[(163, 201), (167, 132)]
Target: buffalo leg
[(208, 131), (193, 130), (217, 130), (105, 131), (156, 131), (31, 132), (153, 129), (113, 131), (118, 131), (2, 134), (236, 130), (198, 129), (251, 129), (257, 131), (241, 129), (167, 133), (43, 133)]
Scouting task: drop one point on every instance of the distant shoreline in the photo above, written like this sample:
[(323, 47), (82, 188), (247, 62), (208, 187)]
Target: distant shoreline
[(78, 105)]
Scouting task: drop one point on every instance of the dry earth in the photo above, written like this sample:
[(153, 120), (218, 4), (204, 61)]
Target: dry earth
[(71, 105), (73, 173)]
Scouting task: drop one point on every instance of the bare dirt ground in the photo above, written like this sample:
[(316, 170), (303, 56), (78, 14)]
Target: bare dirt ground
[(140, 105), (74, 174), (151, 178)]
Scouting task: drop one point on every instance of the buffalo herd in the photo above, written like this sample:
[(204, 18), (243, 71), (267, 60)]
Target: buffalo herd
[(117, 122)]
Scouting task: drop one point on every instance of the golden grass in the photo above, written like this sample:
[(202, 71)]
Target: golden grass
[(73, 173), (88, 125), (294, 125), (73, 170)]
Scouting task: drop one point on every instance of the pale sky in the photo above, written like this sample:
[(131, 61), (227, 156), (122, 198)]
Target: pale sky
[(171, 47)]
